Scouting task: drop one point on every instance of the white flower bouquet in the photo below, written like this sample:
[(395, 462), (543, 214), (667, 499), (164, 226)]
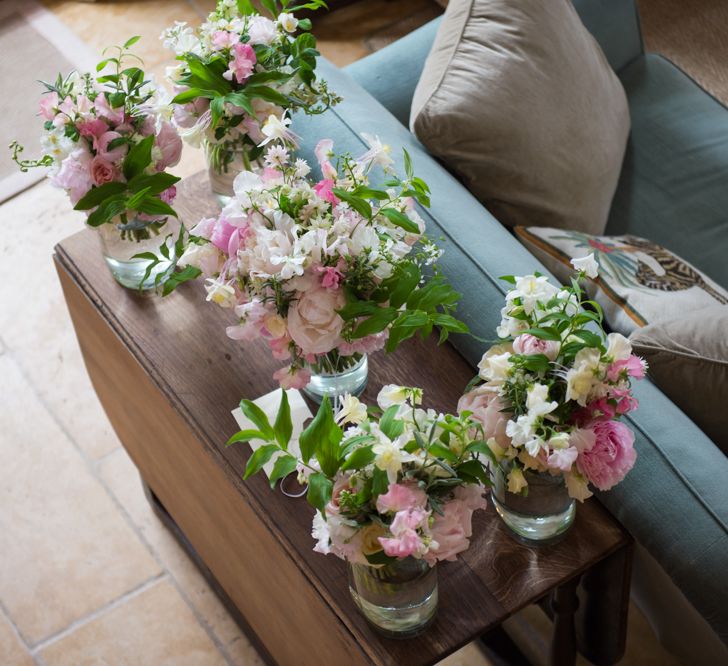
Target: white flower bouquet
[(551, 392), (325, 271)]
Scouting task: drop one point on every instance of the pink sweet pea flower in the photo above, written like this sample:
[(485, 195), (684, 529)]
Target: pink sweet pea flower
[(405, 541), (279, 348), (634, 367), (103, 110), (292, 378), (324, 190), (67, 107), (170, 145), (168, 196), (204, 227), (401, 497), (611, 455), (221, 234), (48, 105), (75, 175), (322, 151), (92, 128), (242, 64), (102, 171), (331, 276), (222, 39), (102, 147)]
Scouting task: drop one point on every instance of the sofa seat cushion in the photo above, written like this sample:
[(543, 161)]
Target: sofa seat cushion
[(674, 183)]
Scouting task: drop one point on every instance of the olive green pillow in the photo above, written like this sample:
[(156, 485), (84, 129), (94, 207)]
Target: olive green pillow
[(518, 99), (688, 359)]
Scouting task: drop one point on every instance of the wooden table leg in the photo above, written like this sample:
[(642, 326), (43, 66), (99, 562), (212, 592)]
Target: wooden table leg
[(564, 603)]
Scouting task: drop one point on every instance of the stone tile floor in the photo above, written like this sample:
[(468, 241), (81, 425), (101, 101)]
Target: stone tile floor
[(88, 575)]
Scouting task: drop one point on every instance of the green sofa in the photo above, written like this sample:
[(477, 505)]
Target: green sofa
[(674, 190)]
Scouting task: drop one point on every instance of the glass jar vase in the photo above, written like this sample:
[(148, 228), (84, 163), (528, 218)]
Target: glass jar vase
[(224, 162), (543, 514), (119, 247), (334, 375), (399, 599)]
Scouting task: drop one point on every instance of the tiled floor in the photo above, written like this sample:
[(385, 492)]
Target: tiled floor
[(88, 575)]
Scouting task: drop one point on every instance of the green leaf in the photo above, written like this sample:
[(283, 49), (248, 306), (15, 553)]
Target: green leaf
[(97, 195), (408, 165), (245, 436), (510, 279), (138, 158), (358, 204), (380, 557), (283, 427), (152, 206), (380, 482), (137, 198), (369, 193), (282, 467), (481, 446), (406, 279), (591, 339), (405, 327), (187, 274), (156, 183), (375, 323), (357, 309), (399, 220), (449, 323), (546, 333), (304, 24), (259, 458), (257, 416), (267, 94), (107, 211), (389, 424), (321, 438), (245, 7), (359, 458), (320, 489), (131, 41), (438, 450), (242, 100), (475, 469)]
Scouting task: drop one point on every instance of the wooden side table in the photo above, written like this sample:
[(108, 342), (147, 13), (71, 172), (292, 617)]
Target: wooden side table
[(168, 377)]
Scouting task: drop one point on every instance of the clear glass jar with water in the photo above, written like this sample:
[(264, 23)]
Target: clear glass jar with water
[(334, 375), (400, 599), (224, 163)]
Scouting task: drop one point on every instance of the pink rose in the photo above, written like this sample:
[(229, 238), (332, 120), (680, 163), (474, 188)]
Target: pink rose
[(452, 531), (313, 322), (48, 105), (74, 176), (530, 345), (607, 461), (401, 497), (324, 190), (102, 147), (222, 39), (261, 30), (292, 378), (322, 151), (102, 171), (170, 144), (487, 408), (242, 64)]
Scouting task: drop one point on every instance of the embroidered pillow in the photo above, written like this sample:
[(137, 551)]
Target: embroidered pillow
[(639, 281)]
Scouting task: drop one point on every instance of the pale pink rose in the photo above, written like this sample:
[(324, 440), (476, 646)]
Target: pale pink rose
[(242, 64), (93, 128), (74, 176), (452, 531), (102, 171), (170, 144), (261, 30), (322, 151), (102, 147), (401, 497), (222, 39), (103, 110), (530, 345), (313, 321), (487, 408), (324, 190), (48, 105), (610, 457), (292, 378), (341, 484)]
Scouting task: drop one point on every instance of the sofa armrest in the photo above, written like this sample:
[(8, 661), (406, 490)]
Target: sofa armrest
[(391, 74)]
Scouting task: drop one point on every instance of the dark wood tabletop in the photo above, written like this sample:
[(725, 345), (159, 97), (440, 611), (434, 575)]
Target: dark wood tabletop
[(181, 344)]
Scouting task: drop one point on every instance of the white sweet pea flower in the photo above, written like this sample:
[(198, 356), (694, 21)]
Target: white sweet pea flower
[(320, 532), (563, 459), (221, 293), (287, 21), (206, 257), (532, 289), (587, 265), (56, 143), (521, 430), (581, 379), (516, 481), (560, 440), (537, 401), (619, 348), (352, 410), (577, 485), (391, 394), (495, 365)]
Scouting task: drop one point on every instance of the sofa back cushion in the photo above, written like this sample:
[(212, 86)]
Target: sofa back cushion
[(517, 99)]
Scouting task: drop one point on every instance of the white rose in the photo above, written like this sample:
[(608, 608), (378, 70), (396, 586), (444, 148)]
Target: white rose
[(494, 366), (587, 265), (313, 323), (262, 30)]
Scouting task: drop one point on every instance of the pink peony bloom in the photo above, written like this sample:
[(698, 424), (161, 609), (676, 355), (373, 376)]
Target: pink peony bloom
[(290, 378), (169, 195), (322, 151), (74, 176), (102, 171), (169, 143), (261, 30), (222, 39), (313, 321), (530, 345), (401, 497), (48, 105), (92, 128), (242, 64), (324, 190), (606, 462), (452, 531), (487, 408), (102, 147)]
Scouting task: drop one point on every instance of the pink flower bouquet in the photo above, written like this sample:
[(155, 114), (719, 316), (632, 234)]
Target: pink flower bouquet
[(403, 485), (550, 394), (241, 75), (324, 270)]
